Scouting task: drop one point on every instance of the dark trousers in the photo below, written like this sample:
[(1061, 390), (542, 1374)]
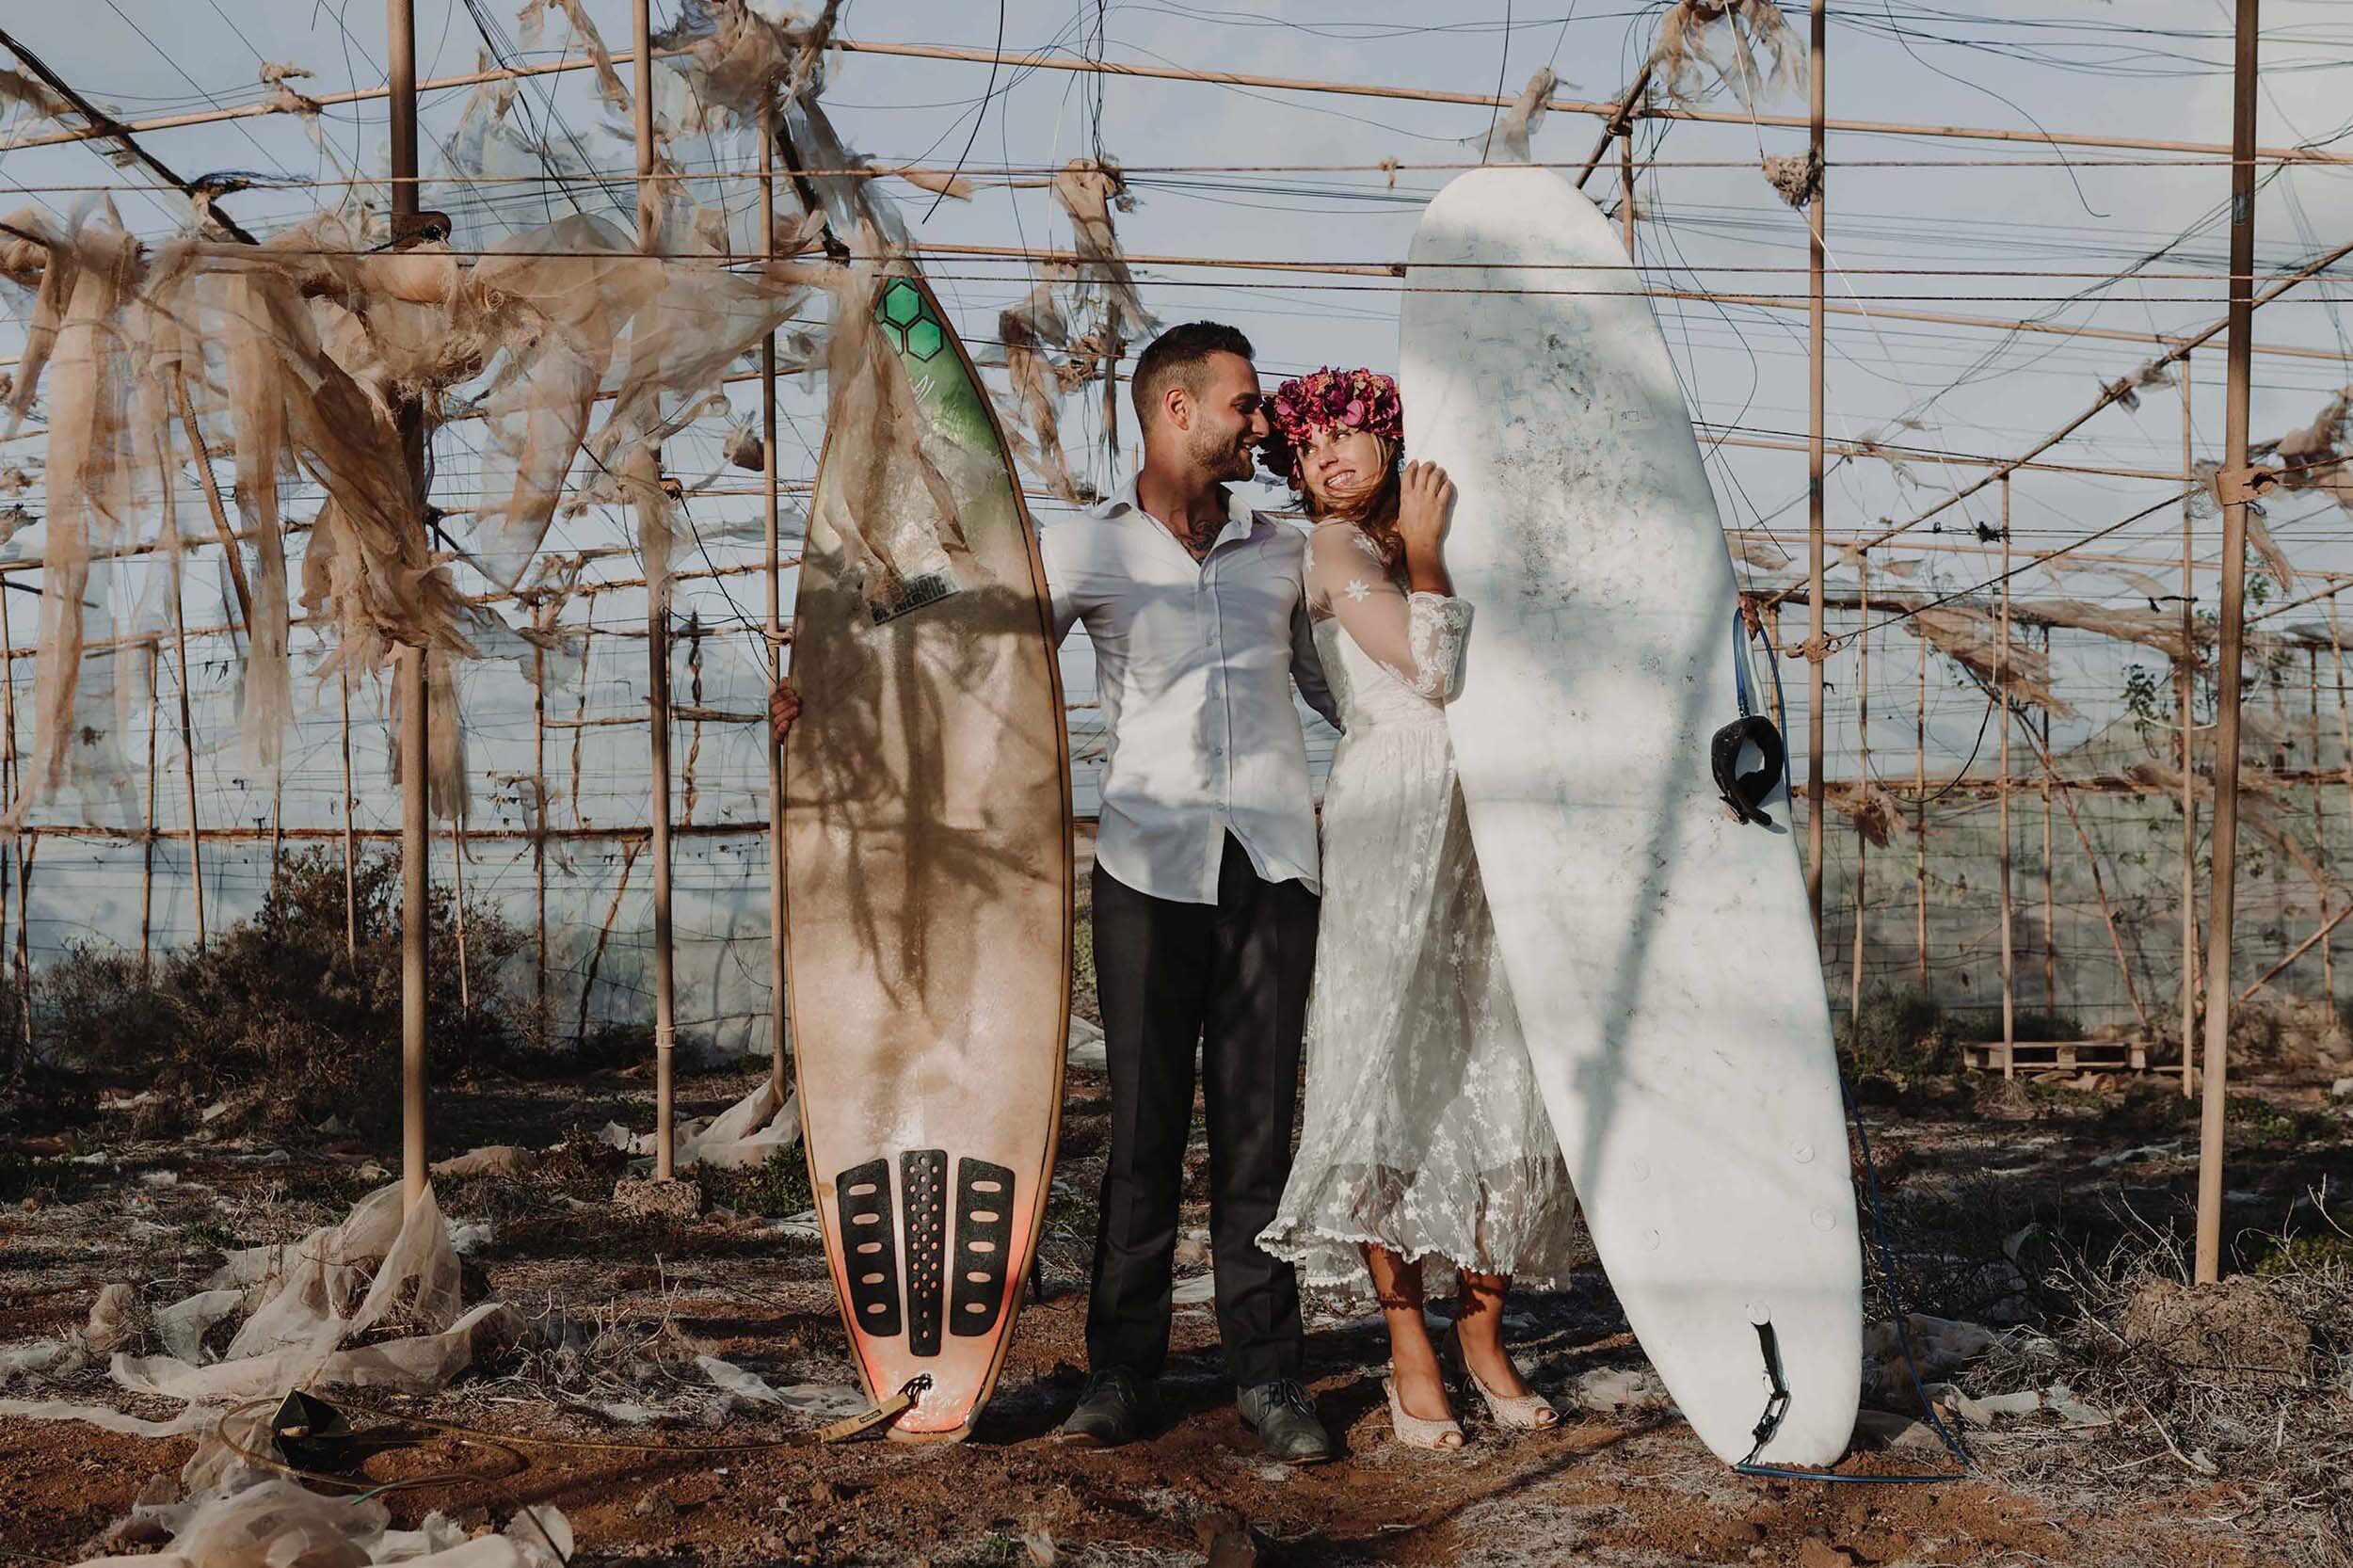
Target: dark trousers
[(1232, 976)]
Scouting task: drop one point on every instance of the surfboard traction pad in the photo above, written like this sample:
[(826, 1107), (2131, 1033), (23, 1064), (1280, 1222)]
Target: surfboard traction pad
[(871, 1225)]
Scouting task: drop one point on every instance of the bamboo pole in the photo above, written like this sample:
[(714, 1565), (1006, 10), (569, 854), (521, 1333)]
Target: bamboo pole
[(147, 846), (175, 585), (1110, 388), (2218, 925), (2241, 282), (351, 871), (2065, 791), (2049, 907), (540, 838), (24, 846), (201, 457), (2344, 718), (2186, 693), (604, 936), (1815, 219), (1862, 839), (1920, 816), (24, 938), (1620, 123), (416, 844), (694, 715), (1036, 62), (83, 832), (458, 896), (1625, 187), (2298, 952), (780, 1025), (657, 670), (2320, 836), (15, 846), (102, 124), (2001, 693)]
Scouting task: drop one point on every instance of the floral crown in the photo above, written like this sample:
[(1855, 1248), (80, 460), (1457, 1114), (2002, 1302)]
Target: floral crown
[(1356, 399)]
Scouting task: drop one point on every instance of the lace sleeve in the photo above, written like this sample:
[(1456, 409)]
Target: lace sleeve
[(1418, 637)]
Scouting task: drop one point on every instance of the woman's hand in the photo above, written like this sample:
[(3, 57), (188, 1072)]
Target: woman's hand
[(1425, 504), (784, 706)]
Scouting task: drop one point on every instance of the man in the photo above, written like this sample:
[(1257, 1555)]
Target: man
[(1205, 880)]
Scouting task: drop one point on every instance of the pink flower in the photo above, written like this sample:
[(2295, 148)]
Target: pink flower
[(1355, 414)]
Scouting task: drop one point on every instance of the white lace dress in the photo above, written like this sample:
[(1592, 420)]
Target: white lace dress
[(1425, 1131)]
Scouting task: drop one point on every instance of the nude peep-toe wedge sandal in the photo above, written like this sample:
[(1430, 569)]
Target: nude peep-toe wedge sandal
[(1516, 1412), (1443, 1436)]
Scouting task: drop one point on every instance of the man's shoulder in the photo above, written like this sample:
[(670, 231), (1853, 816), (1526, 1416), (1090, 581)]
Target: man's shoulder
[(1077, 527), (1279, 535)]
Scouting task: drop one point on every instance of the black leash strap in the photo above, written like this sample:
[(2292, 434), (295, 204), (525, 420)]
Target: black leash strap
[(1777, 1402)]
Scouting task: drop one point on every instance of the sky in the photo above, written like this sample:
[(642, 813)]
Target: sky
[(1998, 229)]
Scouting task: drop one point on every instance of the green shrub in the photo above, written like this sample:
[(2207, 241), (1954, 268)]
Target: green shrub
[(280, 1011), (772, 1189), (1903, 1032), (1985, 1024)]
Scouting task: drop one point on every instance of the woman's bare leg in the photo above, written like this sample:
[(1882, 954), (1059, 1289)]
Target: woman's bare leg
[(1479, 1326), (1413, 1360)]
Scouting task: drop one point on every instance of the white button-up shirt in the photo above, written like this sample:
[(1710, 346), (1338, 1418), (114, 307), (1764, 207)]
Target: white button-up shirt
[(1196, 662)]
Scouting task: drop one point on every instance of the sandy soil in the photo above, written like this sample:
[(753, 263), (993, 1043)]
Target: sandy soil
[(1958, 1167)]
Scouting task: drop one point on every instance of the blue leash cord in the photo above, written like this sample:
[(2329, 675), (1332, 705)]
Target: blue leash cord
[(1879, 1233)]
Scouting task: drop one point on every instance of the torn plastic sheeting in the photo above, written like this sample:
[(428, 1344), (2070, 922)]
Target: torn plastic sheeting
[(421, 1364), (303, 1315), (277, 1524), (1745, 44), (1086, 191), (182, 1326), (1507, 142), (815, 1398), (748, 1132), (1985, 1410), (194, 1418)]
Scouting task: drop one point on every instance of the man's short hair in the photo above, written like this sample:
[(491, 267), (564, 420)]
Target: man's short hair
[(1178, 355)]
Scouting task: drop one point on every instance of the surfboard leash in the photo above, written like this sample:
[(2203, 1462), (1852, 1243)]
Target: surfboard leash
[(1777, 1402)]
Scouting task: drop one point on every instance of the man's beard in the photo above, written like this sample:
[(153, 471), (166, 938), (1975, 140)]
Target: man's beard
[(1219, 458)]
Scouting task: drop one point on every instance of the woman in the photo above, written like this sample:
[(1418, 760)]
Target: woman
[(1426, 1139)]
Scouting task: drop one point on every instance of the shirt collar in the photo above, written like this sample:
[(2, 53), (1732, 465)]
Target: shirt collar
[(1241, 519)]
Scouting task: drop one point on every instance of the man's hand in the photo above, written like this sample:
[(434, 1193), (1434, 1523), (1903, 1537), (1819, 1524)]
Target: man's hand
[(784, 706)]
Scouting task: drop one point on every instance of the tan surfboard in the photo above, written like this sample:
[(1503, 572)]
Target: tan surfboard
[(928, 883)]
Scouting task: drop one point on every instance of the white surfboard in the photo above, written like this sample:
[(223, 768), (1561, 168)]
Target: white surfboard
[(1661, 952)]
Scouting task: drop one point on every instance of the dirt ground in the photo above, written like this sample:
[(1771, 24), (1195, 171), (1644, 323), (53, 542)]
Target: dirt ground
[(1963, 1166)]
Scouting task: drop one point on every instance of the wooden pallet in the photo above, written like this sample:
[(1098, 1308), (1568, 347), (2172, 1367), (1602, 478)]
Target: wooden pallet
[(2043, 1056)]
